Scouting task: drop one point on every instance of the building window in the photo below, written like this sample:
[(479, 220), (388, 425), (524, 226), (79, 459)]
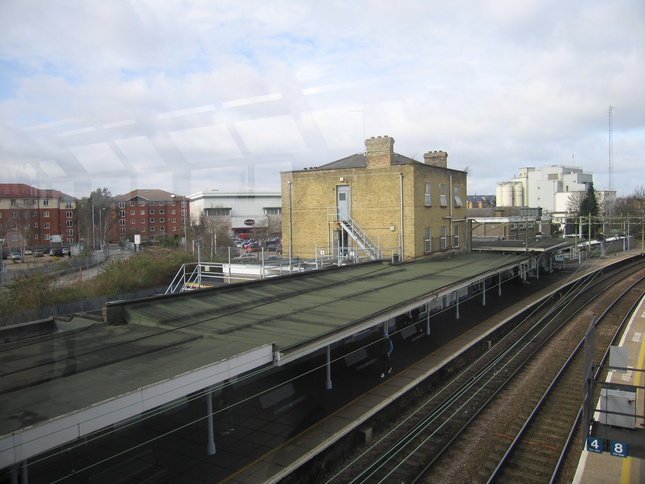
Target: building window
[(173, 212), (162, 220), (46, 203), (152, 229), (151, 211), (69, 214), (142, 204), (142, 212), (70, 232), (122, 230), (443, 237), (121, 221), (217, 212), (458, 202), (427, 240), (142, 229), (46, 214), (131, 212), (69, 205), (13, 202), (14, 214), (427, 200), (46, 225), (162, 211), (162, 228), (161, 203), (272, 211), (455, 229), (131, 221), (121, 213), (121, 204), (47, 237), (26, 203), (35, 236), (133, 204), (152, 220), (442, 198), (174, 220), (143, 220), (152, 204), (69, 223), (173, 228), (35, 225)]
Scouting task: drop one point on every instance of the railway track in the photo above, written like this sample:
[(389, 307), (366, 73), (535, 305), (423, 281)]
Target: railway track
[(503, 418)]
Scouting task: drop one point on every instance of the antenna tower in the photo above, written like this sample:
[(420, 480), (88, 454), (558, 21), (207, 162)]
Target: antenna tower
[(611, 150)]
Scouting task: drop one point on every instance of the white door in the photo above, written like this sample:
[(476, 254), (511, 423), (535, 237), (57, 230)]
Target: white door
[(342, 201)]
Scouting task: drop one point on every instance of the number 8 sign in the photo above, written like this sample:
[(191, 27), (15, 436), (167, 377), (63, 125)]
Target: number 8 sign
[(618, 449)]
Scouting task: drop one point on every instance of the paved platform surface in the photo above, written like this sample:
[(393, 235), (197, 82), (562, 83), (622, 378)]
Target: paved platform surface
[(595, 468)]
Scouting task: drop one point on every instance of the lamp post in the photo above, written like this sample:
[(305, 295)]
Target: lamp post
[(290, 227), (93, 227)]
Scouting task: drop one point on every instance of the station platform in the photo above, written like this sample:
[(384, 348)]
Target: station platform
[(284, 459), (261, 444)]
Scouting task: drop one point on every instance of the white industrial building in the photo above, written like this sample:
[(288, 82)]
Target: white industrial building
[(549, 188), (246, 211)]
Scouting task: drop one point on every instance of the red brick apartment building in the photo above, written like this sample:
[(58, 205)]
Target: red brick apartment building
[(151, 214), (30, 217)]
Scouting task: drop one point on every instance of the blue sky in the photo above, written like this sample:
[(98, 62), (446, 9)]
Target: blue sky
[(216, 94)]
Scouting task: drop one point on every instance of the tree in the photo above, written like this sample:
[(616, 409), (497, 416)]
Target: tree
[(95, 216), (589, 207)]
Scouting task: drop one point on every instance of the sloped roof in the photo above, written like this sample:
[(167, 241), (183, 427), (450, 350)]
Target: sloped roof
[(359, 160), (152, 195), (21, 190)]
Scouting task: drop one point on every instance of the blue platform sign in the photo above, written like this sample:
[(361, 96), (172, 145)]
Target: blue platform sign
[(619, 449), (595, 445)]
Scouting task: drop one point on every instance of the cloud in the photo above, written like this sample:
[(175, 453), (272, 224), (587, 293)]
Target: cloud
[(197, 95)]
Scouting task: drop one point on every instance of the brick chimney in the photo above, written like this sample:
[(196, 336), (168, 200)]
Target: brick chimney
[(380, 151), (436, 158)]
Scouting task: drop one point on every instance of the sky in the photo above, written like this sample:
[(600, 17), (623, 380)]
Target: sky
[(192, 95)]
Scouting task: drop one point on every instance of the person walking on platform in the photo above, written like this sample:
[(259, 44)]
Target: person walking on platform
[(386, 351)]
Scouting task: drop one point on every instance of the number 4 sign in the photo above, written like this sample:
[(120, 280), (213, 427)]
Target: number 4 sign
[(595, 445)]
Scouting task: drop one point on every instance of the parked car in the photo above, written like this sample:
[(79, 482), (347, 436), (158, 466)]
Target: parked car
[(28, 252), (253, 248), (246, 257), (58, 252), (38, 253), (15, 256)]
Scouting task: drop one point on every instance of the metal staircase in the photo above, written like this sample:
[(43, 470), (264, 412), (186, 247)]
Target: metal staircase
[(357, 234)]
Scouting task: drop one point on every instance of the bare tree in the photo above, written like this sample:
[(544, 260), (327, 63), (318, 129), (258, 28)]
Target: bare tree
[(575, 201)]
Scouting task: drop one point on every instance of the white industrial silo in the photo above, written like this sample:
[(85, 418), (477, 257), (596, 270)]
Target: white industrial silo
[(518, 194)]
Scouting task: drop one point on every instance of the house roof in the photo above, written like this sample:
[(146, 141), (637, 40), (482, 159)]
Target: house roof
[(21, 190), (152, 195), (359, 160)]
